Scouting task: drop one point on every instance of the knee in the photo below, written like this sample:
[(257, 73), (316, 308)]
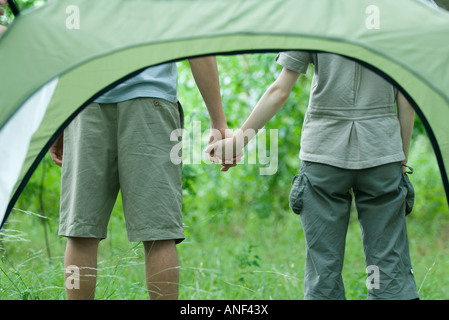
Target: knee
[(158, 245), (83, 242)]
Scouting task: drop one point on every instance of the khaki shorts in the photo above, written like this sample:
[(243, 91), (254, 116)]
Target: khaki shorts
[(123, 146)]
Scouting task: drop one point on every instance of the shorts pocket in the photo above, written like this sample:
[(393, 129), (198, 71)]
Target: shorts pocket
[(181, 114), (297, 192), (410, 197)]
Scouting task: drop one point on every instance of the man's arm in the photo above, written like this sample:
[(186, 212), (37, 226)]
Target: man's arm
[(205, 73), (406, 115)]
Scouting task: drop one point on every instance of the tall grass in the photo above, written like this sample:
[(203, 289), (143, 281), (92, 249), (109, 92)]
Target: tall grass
[(240, 255)]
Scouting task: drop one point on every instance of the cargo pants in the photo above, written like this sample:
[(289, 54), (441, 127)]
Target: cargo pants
[(321, 194)]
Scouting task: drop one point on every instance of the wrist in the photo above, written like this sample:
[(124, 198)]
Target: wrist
[(220, 129), (219, 125), (240, 139)]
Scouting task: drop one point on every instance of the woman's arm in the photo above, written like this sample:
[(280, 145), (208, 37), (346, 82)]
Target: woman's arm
[(270, 103)]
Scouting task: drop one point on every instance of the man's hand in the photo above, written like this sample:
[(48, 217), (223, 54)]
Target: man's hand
[(205, 73), (223, 149), (56, 150), (215, 136)]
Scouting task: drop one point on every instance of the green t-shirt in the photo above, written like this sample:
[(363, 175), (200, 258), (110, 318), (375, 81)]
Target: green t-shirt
[(351, 120)]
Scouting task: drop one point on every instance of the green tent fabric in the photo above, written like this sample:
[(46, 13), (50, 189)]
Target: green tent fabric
[(61, 56)]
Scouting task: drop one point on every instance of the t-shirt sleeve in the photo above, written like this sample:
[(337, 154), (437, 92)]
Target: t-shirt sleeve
[(297, 61)]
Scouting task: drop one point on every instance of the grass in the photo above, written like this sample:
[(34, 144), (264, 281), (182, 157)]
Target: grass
[(256, 261), (234, 254)]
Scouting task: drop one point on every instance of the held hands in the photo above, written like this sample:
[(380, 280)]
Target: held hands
[(224, 149)]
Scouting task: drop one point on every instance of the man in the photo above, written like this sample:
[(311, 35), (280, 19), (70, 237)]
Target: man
[(122, 141), (123, 138)]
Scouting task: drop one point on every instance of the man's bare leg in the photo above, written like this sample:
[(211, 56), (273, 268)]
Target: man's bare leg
[(162, 269), (81, 253)]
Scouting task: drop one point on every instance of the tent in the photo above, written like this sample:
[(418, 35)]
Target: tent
[(61, 56)]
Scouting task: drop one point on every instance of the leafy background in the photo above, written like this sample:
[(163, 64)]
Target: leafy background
[(243, 242)]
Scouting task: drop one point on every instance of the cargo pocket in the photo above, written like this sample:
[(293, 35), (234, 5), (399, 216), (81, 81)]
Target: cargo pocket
[(297, 192), (410, 197)]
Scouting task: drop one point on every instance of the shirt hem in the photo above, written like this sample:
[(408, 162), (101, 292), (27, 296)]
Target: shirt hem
[(352, 165), (131, 96)]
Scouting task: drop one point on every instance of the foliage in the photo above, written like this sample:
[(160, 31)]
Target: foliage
[(22, 6), (244, 79), (443, 3)]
